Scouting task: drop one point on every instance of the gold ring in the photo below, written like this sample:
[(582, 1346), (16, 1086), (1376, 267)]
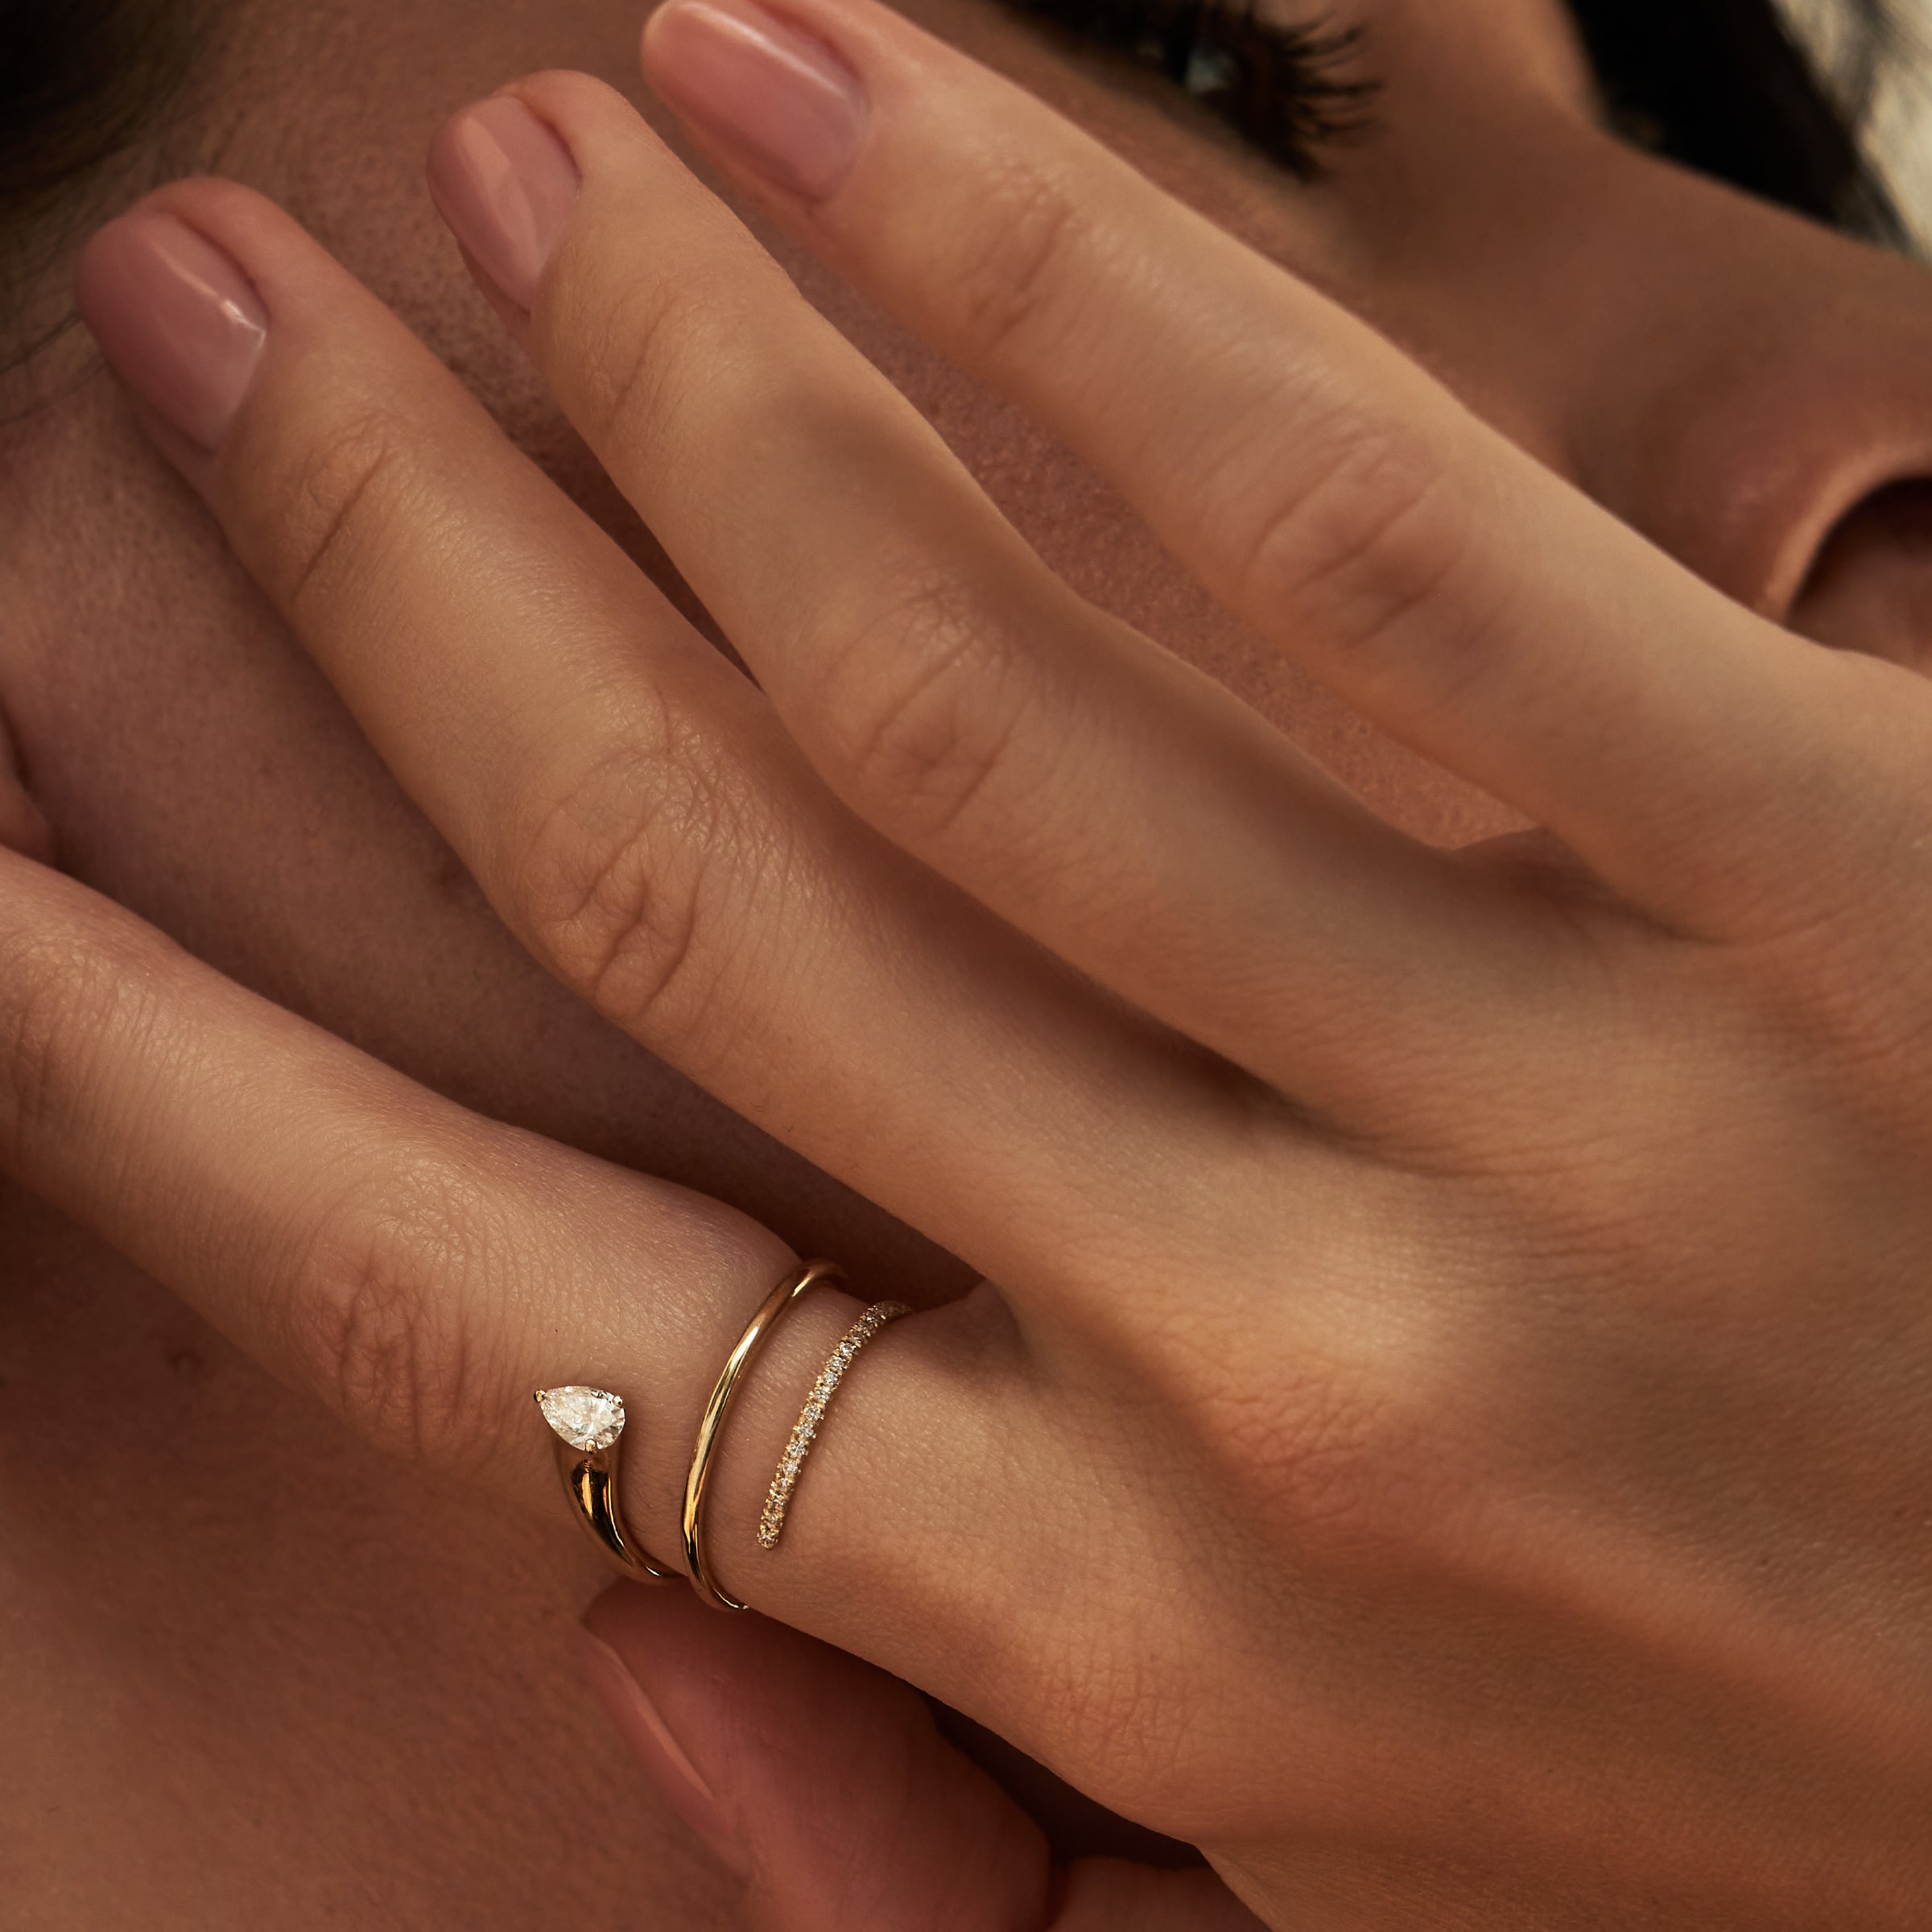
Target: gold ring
[(755, 1334), (771, 1524), (589, 1426)]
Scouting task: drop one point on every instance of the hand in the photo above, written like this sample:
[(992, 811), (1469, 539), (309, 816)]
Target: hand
[(1452, 1433)]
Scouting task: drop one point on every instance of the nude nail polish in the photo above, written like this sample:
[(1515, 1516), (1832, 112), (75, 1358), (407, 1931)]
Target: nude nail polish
[(179, 322), (779, 95), (506, 184)]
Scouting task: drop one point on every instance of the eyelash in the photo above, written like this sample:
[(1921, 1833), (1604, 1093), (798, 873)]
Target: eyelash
[(1292, 92)]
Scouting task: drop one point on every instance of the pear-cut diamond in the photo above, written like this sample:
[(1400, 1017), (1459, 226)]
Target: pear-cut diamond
[(586, 1418)]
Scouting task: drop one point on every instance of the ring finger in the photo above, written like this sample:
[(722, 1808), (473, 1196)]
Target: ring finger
[(424, 1270)]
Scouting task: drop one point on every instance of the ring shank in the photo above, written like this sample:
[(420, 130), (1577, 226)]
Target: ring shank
[(756, 1332), (592, 1480)]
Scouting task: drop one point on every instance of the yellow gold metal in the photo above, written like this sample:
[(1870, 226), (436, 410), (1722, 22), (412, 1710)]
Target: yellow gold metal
[(590, 1481), (771, 1524), (757, 1331)]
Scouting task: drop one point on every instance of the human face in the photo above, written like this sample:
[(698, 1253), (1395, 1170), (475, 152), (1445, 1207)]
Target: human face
[(1729, 380)]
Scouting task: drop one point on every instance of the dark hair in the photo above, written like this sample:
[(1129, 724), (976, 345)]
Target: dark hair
[(1719, 84), (1723, 87), (84, 83)]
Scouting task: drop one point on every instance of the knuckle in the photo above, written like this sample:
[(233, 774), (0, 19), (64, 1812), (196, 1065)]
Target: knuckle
[(624, 878), (1371, 530), (330, 503), (921, 703), (1346, 1466), (383, 1318), (1013, 269), (651, 342), (72, 1008)]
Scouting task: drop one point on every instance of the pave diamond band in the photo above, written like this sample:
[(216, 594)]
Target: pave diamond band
[(587, 1424), (771, 1524)]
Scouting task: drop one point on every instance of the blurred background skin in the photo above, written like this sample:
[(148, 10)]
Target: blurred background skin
[(249, 1672)]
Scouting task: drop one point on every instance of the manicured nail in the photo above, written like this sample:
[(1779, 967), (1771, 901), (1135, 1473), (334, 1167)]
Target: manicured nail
[(643, 1727), (506, 185), (180, 323), (768, 88)]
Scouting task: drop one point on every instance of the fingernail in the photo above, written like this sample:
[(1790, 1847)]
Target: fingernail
[(643, 1727), (506, 185), (180, 323), (781, 96)]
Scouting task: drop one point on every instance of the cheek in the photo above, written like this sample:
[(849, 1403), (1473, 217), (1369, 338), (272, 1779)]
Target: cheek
[(22, 829), (195, 764)]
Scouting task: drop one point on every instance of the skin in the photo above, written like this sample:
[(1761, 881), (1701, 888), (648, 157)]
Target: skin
[(1608, 348)]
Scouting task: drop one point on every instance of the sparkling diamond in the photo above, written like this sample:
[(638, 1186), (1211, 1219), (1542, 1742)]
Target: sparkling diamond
[(586, 1418)]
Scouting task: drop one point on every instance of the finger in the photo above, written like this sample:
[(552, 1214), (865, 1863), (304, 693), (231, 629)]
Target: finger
[(625, 797), (1313, 478), (1112, 802), (823, 1784), (424, 1271)]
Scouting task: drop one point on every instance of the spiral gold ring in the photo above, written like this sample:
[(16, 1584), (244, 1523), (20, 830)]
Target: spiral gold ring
[(756, 1332), (589, 1426)]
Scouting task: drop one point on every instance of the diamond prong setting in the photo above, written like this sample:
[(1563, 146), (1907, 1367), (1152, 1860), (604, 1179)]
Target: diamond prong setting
[(587, 1418)]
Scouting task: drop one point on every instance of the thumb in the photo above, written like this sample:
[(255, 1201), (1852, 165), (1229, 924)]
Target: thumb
[(825, 1785)]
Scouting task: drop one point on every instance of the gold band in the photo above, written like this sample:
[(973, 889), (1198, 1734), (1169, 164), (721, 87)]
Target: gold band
[(589, 1427), (755, 1334), (771, 1524)]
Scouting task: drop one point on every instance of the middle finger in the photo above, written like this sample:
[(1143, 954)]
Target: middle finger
[(1116, 803)]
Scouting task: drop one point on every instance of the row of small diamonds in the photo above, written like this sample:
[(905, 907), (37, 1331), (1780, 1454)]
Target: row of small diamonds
[(861, 1332)]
